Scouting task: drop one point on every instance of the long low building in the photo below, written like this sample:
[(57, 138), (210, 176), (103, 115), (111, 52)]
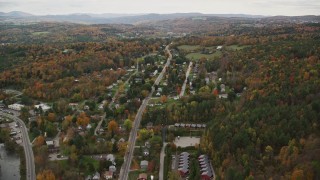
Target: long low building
[(16, 106)]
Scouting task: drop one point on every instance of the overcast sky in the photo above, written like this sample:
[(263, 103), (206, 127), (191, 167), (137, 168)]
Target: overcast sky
[(255, 7)]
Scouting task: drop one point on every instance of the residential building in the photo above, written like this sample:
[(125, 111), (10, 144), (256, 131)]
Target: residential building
[(16, 106), (143, 176), (108, 175), (44, 107), (144, 164)]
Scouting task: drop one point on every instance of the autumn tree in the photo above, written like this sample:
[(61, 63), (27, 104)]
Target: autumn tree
[(46, 175), (122, 148), (163, 99), (83, 119), (113, 126), (39, 141), (52, 117)]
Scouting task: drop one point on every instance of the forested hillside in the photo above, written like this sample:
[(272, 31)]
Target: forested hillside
[(273, 129)]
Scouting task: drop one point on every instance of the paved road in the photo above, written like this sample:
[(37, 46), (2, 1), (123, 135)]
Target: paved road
[(185, 81), (27, 146), (162, 154), (124, 172)]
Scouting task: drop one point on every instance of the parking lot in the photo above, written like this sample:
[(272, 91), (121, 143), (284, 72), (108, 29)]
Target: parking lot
[(186, 141)]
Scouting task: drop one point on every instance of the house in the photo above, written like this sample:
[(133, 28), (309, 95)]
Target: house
[(183, 167), (110, 157), (149, 125), (222, 88), (224, 96), (108, 175), (155, 72), (183, 171), (112, 169), (44, 107), (96, 176), (143, 176), (121, 140), (50, 144), (89, 126), (146, 152), (144, 164), (219, 47), (147, 144), (86, 107), (16, 106), (206, 169), (73, 105), (206, 175)]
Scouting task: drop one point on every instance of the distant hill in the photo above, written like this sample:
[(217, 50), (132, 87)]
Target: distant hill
[(16, 14), (109, 18)]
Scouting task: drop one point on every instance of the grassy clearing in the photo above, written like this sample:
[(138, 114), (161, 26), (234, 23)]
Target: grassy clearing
[(197, 56), (133, 175), (88, 159), (189, 47), (40, 33)]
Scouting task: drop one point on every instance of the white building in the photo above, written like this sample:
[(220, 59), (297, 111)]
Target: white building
[(16, 106), (44, 107)]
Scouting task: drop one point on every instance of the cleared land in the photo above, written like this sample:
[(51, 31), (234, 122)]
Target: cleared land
[(186, 141), (189, 47), (198, 55), (40, 33)]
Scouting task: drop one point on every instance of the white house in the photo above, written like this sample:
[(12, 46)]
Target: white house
[(16, 106), (44, 107)]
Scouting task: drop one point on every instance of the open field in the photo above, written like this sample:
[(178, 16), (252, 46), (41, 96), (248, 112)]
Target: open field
[(196, 56), (189, 47), (40, 33)]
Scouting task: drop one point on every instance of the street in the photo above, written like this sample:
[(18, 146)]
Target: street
[(27, 146), (124, 172), (162, 154), (185, 81)]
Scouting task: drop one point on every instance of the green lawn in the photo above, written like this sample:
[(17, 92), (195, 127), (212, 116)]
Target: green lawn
[(197, 56), (133, 175), (189, 47), (88, 159)]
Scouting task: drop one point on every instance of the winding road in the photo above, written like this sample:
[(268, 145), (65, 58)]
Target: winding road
[(27, 146), (124, 172)]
